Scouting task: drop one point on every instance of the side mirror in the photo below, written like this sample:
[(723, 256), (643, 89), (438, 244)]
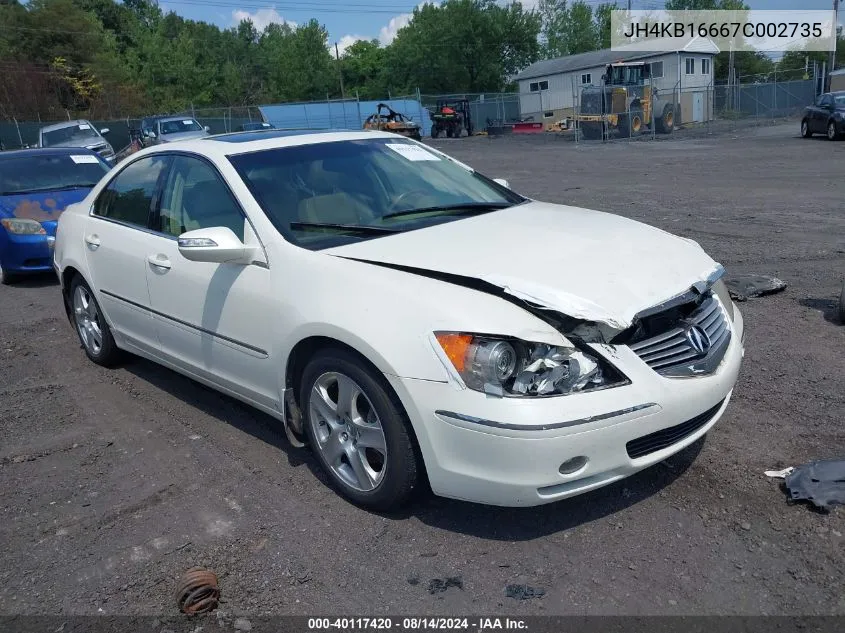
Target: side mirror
[(104, 131), (207, 128), (216, 245), (150, 134), (502, 182)]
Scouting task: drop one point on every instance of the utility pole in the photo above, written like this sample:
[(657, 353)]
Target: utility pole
[(339, 71), (629, 6), (831, 64)]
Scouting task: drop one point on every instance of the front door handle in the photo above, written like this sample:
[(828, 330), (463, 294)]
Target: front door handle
[(159, 261), (92, 240)]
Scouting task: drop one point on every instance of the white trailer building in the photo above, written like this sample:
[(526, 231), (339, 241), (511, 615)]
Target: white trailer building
[(548, 89)]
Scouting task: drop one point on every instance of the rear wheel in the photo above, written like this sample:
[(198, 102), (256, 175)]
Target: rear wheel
[(91, 327), (805, 129), (358, 431)]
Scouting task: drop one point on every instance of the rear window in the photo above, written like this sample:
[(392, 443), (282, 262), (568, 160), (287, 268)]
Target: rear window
[(30, 174), (82, 132)]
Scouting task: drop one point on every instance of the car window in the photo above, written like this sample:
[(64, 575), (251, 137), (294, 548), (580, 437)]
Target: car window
[(825, 100), (178, 126), (195, 197), (79, 132), (839, 99), (375, 183), (39, 172), (128, 198)]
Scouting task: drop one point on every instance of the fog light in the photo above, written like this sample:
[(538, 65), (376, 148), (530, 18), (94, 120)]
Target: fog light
[(572, 466)]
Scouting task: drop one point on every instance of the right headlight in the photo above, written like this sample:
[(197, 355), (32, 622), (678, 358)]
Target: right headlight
[(22, 226), (505, 366)]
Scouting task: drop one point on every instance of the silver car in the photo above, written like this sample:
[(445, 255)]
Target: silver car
[(79, 133), (171, 128)]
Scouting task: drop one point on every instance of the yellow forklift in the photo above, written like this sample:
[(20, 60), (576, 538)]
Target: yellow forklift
[(624, 102)]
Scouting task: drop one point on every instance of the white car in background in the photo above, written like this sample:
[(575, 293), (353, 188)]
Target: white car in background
[(409, 318)]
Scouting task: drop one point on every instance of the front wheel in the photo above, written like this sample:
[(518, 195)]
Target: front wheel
[(7, 278), (358, 431), (91, 327), (842, 305), (805, 129), (832, 134)]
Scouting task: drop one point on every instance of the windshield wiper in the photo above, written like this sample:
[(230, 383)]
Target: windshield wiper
[(358, 228), (465, 208)]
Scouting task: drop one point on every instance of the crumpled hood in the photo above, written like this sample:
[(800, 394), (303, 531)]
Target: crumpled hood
[(586, 264), (183, 136), (43, 207)]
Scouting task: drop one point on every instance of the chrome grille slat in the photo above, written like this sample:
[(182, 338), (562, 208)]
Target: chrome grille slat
[(657, 339), (669, 351)]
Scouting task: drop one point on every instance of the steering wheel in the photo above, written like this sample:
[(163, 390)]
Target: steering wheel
[(393, 205)]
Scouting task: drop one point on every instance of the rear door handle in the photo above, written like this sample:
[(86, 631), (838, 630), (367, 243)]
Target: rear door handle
[(92, 240), (160, 261)]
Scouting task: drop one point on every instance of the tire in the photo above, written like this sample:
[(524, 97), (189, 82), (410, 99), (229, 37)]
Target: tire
[(842, 305), (89, 323), (591, 131), (7, 278), (805, 129), (387, 473), (832, 134), (630, 124), (666, 123)]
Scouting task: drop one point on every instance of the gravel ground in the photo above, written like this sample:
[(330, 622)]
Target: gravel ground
[(113, 482)]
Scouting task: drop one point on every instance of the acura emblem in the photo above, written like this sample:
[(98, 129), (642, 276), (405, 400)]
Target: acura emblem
[(697, 339)]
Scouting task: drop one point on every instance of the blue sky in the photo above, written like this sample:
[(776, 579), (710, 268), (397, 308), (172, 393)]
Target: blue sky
[(349, 20)]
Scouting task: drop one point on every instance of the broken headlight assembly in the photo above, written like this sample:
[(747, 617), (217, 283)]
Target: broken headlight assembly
[(510, 367)]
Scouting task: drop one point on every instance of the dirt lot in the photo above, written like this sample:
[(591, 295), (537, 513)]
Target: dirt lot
[(112, 483)]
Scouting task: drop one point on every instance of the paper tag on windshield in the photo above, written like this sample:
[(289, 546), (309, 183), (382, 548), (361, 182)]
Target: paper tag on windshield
[(412, 152), (84, 126), (83, 158), (187, 122)]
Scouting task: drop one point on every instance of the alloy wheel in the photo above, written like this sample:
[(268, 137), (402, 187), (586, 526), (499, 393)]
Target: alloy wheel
[(831, 131), (349, 434), (87, 319)]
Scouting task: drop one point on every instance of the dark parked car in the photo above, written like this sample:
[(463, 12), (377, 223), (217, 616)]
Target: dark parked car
[(826, 116), (36, 185)]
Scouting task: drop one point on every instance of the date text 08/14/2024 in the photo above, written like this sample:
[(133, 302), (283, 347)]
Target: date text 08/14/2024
[(416, 624)]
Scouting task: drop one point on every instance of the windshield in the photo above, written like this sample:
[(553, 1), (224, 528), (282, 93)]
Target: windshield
[(29, 174), (83, 132), (327, 194), (182, 125)]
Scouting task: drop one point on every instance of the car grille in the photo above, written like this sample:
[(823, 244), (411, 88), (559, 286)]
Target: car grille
[(671, 353), (663, 438)]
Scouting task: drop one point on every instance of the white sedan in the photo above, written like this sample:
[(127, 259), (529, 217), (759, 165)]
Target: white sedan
[(413, 321)]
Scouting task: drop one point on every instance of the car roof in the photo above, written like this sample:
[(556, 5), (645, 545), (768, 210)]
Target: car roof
[(45, 151), (64, 124), (234, 143)]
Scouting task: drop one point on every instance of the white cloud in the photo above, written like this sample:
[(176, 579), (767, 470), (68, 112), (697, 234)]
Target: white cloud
[(388, 32), (261, 19), (348, 40)]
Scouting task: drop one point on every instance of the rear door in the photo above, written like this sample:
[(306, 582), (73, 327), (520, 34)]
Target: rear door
[(117, 241)]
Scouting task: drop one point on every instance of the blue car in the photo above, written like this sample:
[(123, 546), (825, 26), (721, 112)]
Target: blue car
[(36, 185)]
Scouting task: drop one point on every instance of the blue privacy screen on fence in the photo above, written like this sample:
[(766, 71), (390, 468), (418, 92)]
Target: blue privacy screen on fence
[(340, 115)]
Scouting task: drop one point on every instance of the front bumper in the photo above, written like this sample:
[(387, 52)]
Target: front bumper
[(575, 443), (26, 253)]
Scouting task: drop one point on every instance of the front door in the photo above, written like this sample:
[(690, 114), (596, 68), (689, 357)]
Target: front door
[(214, 320), (117, 241)]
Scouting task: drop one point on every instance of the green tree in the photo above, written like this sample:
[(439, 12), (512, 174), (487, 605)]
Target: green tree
[(462, 46), (364, 69)]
